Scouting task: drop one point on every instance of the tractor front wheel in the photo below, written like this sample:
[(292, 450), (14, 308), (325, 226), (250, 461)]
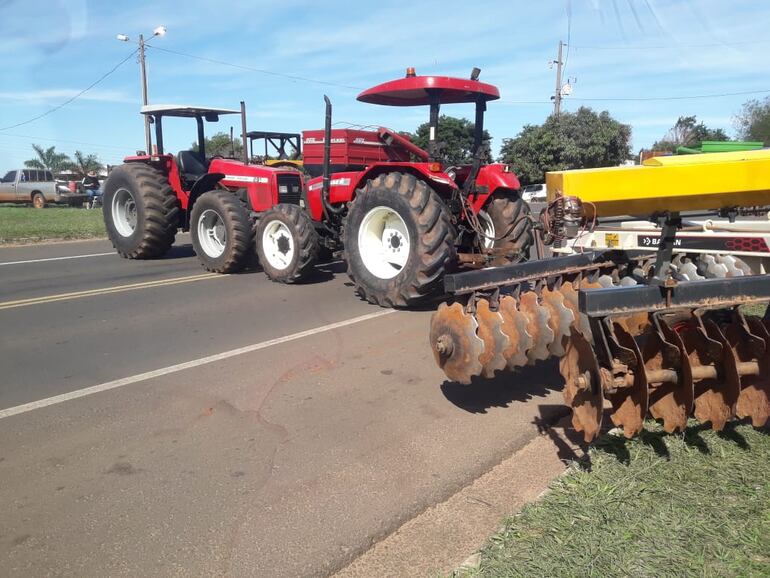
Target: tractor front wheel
[(507, 229), (287, 243), (222, 232), (398, 240), (141, 211)]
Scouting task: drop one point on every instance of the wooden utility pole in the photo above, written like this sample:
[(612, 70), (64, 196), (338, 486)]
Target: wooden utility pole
[(557, 93)]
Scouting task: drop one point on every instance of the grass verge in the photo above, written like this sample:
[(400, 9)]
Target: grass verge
[(694, 504), (25, 224)]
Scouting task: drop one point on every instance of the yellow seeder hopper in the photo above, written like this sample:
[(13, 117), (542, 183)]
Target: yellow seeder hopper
[(628, 327)]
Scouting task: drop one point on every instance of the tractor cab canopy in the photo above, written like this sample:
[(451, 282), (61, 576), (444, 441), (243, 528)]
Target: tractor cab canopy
[(192, 164), (434, 91), (277, 141)]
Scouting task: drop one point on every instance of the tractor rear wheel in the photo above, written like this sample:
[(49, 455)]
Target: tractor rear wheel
[(507, 229), (222, 232), (398, 240), (141, 211), (287, 243)]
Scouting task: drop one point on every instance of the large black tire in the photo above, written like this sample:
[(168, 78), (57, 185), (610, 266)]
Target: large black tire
[(431, 239), (510, 220), (154, 207), (287, 243), (229, 242)]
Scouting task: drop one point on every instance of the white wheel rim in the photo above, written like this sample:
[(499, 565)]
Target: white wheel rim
[(278, 245), (212, 234), (124, 212), (383, 242), (488, 228)]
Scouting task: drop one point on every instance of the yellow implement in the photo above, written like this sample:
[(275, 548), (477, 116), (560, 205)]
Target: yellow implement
[(673, 183)]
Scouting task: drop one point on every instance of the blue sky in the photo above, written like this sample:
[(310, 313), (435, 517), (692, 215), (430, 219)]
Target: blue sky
[(619, 49)]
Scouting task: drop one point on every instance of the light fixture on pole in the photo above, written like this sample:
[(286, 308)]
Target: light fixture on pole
[(159, 31)]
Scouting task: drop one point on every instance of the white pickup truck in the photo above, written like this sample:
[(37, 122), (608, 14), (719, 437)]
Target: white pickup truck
[(38, 187)]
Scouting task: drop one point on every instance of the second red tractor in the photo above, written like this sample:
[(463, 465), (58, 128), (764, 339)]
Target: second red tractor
[(400, 217)]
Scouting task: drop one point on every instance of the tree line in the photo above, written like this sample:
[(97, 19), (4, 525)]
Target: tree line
[(573, 140), (52, 160)]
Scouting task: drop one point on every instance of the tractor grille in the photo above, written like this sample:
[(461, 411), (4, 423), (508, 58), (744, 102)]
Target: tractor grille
[(289, 189)]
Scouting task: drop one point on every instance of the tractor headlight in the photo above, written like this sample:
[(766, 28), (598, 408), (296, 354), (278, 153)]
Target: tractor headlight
[(452, 174), (283, 189)]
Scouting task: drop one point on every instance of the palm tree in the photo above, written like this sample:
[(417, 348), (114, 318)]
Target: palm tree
[(48, 159), (85, 163)]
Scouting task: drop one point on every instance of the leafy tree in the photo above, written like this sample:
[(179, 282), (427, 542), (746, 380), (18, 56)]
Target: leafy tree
[(454, 137), (574, 140), (753, 122), (687, 131), (48, 159), (84, 163), (219, 145)]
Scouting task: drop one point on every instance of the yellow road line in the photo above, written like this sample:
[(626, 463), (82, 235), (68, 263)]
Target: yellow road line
[(106, 291)]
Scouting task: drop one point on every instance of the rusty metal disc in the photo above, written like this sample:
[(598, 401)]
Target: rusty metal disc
[(560, 319), (754, 398), (515, 328), (456, 347), (670, 402), (495, 341), (582, 385), (629, 404), (537, 326), (714, 395)]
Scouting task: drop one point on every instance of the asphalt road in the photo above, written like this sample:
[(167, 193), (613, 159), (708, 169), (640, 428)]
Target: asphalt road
[(228, 425)]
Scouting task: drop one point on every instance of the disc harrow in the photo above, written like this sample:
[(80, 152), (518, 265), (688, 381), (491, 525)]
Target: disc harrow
[(629, 336)]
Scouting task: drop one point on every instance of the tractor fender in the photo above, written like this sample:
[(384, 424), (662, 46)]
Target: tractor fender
[(202, 185), (495, 179), (343, 184)]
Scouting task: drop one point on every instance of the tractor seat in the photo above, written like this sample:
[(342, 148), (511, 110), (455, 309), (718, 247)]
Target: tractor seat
[(191, 165)]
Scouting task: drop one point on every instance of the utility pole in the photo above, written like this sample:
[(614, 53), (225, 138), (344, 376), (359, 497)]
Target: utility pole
[(159, 31), (142, 66), (557, 94)]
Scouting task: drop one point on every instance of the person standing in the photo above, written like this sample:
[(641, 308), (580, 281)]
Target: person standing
[(91, 186)]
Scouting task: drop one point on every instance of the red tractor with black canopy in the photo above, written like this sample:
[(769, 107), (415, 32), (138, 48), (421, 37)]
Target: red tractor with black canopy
[(151, 196), (401, 218)]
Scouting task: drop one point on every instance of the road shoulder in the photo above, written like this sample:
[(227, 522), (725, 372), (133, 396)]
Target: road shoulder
[(444, 537)]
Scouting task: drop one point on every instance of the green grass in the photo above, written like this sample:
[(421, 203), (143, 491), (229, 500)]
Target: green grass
[(696, 504), (25, 224)]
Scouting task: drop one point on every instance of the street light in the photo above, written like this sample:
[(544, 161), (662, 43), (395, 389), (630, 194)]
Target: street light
[(159, 31)]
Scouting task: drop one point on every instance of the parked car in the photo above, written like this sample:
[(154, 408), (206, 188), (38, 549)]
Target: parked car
[(38, 187), (534, 193)]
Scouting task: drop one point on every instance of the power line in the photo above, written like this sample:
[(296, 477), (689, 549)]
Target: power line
[(670, 46), (684, 97), (253, 69), (642, 98), (75, 97)]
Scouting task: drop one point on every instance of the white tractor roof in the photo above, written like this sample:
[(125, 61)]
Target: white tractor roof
[(184, 110)]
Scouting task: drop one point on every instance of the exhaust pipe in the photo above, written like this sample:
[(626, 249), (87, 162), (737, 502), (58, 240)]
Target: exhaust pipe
[(327, 152), (245, 151)]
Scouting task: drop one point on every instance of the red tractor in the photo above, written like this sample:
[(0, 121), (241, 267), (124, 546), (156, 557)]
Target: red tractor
[(150, 197), (401, 218)]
